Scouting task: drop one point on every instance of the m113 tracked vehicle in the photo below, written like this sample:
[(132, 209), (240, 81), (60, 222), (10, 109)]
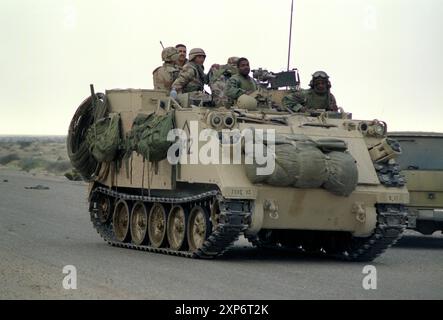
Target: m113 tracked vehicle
[(330, 184)]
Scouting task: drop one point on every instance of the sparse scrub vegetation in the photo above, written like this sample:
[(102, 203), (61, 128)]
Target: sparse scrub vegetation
[(27, 164), (73, 175), (9, 158), (24, 144), (58, 166), (36, 154)]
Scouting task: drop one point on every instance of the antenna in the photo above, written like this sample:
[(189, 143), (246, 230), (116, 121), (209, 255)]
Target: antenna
[(161, 43), (290, 34)]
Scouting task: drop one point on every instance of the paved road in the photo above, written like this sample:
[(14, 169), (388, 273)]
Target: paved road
[(41, 231)]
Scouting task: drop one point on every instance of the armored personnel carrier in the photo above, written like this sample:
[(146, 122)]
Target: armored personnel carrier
[(329, 185), (421, 162)]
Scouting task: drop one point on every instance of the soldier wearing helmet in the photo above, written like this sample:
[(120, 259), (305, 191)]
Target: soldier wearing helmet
[(241, 83), (232, 61), (218, 78), (192, 77), (165, 75), (317, 97)]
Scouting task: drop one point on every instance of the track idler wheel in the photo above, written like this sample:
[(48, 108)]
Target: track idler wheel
[(121, 221), (139, 224), (199, 227), (157, 225), (176, 228)]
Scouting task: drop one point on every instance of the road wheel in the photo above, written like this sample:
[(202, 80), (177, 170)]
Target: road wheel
[(215, 214), (104, 209), (176, 229), (157, 225), (199, 227), (121, 221), (139, 224)]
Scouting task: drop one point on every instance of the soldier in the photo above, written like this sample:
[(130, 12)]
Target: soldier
[(218, 78), (192, 77), (165, 75), (182, 55), (317, 97), (241, 83)]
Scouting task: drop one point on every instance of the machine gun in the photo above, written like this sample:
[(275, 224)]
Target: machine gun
[(274, 81)]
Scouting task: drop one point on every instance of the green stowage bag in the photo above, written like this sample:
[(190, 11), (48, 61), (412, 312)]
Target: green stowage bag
[(103, 138), (152, 141), (301, 165), (305, 163), (343, 173)]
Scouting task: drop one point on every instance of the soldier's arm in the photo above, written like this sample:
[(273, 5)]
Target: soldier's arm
[(206, 79), (155, 78), (294, 101), (185, 76), (332, 103), (233, 89)]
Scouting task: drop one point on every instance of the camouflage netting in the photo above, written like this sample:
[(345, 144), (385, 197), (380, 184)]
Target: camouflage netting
[(303, 163)]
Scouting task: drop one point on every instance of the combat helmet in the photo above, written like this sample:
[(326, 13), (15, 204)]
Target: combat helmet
[(233, 61), (195, 53), (319, 75), (247, 102), (170, 54)]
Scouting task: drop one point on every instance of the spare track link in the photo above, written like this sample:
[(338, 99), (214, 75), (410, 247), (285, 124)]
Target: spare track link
[(233, 213)]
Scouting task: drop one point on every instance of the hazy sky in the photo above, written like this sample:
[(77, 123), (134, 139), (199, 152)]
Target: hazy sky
[(384, 56)]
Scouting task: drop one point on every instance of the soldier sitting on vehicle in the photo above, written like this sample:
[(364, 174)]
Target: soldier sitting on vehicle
[(165, 75), (192, 77), (317, 97), (218, 78), (241, 83)]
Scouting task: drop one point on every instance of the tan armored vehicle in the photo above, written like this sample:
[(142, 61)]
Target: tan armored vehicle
[(421, 162), (332, 185)]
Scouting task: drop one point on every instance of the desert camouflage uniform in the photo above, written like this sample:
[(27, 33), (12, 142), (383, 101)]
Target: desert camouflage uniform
[(217, 82), (165, 75), (191, 78), (180, 68)]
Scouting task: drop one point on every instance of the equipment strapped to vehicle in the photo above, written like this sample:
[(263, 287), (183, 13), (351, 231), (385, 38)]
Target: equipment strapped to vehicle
[(304, 163), (90, 110), (103, 138), (148, 136)]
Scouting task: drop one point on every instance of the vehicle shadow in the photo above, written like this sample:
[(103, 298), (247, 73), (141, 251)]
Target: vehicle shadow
[(240, 253), (245, 253), (421, 242)]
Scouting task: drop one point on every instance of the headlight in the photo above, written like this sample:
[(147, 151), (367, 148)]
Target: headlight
[(373, 128), (363, 127), (221, 120), (229, 121), (379, 129), (216, 120)]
